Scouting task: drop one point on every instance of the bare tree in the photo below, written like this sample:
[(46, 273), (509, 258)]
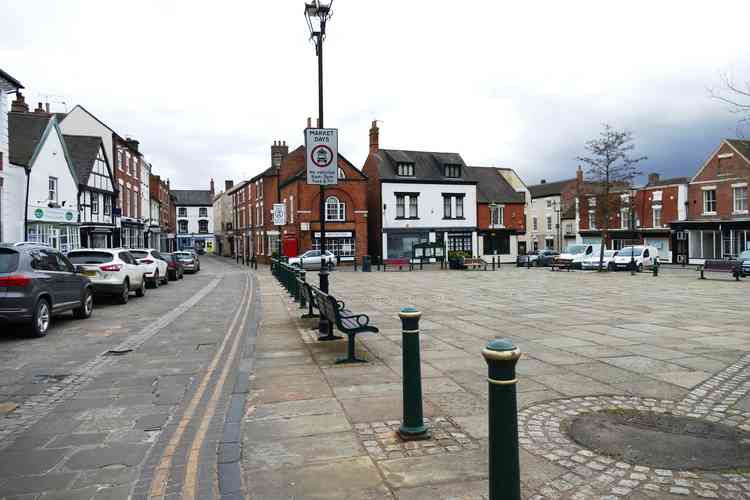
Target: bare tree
[(736, 96), (610, 165)]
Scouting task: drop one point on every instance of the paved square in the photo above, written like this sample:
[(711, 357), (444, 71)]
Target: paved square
[(673, 343)]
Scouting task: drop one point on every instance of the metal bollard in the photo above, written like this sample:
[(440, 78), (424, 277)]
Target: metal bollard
[(656, 268), (505, 481), (413, 427), (355, 263), (493, 262), (302, 298)]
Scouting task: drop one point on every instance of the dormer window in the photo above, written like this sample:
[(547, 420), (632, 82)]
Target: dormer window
[(405, 169), (453, 170)]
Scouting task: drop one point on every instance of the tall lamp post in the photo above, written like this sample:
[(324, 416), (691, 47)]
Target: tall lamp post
[(631, 210), (317, 13)]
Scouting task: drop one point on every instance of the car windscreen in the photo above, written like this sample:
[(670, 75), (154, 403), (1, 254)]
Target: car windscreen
[(574, 249), (139, 254), (8, 260), (630, 252), (610, 253), (745, 255), (184, 256), (79, 257)]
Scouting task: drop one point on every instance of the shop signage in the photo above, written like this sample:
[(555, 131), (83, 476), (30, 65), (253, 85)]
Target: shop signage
[(279, 214), (321, 153), (335, 234), (46, 214)]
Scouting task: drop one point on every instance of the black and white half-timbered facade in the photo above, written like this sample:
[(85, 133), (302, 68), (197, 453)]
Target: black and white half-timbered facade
[(95, 190)]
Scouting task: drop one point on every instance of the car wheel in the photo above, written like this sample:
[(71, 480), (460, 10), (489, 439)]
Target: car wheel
[(182, 275), (157, 279), (640, 268), (140, 292), (42, 318), (165, 279), (86, 308), (124, 294)]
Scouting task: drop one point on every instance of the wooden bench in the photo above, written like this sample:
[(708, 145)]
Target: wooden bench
[(346, 321), (559, 264), (720, 266), (397, 262), (471, 263)]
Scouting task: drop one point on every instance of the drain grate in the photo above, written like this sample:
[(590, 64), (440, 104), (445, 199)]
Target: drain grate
[(48, 379), (118, 352)]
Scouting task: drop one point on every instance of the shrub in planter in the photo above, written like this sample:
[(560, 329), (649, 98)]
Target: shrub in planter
[(456, 259)]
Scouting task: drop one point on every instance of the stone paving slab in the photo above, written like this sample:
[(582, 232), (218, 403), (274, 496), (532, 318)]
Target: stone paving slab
[(584, 335)]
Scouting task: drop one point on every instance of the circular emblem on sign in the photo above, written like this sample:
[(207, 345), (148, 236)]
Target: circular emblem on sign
[(68, 215), (321, 155), (38, 213)]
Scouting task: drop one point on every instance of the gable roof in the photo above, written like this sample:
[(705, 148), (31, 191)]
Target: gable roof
[(13, 83), (741, 146), (428, 165), (26, 132), (549, 188), (83, 151), (492, 186), (237, 186), (193, 197)]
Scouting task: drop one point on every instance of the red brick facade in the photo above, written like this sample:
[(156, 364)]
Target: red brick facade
[(725, 168), (513, 216)]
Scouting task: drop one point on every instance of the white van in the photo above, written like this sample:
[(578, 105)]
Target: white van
[(641, 256), (577, 253)]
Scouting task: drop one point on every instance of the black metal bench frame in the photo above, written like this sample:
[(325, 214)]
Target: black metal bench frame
[(346, 321), (478, 263), (398, 262), (720, 266), (559, 265)]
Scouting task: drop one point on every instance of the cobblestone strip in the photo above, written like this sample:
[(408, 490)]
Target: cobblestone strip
[(712, 398), (541, 431), (37, 407)]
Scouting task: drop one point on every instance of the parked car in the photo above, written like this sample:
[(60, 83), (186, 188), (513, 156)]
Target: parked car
[(113, 271), (574, 254), (197, 257), (156, 266), (525, 259), (744, 259), (537, 258), (639, 255), (189, 261), (313, 259), (37, 282), (592, 261), (175, 270)]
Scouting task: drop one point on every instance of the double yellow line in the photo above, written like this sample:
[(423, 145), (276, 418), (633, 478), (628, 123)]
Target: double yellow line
[(163, 469)]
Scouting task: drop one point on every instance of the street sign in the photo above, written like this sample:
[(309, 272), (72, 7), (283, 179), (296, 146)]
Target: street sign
[(279, 214), (321, 153)]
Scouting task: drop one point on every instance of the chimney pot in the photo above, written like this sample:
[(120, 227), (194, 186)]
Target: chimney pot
[(212, 184), (374, 137), (19, 104), (653, 178), (228, 184), (544, 181), (309, 122)]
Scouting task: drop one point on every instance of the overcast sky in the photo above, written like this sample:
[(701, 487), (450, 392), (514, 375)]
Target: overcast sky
[(208, 86)]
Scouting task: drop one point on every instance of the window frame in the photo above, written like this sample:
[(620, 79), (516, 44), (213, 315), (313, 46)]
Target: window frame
[(405, 169), (706, 201), (400, 206), (735, 199), (452, 171), (53, 189), (181, 211), (339, 208)]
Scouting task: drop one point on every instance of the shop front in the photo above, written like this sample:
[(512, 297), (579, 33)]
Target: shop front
[(500, 243), (696, 241), (341, 243), (398, 243), (56, 227), (197, 242), (97, 236), (131, 233)]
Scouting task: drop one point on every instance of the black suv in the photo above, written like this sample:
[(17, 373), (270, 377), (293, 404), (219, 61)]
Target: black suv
[(37, 282)]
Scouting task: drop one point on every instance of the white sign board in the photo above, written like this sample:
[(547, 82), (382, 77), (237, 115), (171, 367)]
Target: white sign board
[(279, 214), (321, 152)]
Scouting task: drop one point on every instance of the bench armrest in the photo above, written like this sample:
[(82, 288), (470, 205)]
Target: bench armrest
[(361, 319)]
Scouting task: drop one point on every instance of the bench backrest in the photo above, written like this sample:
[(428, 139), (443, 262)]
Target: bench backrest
[(396, 261), (326, 305), (720, 264), (471, 260)]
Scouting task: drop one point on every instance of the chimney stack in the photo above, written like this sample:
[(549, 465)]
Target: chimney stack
[(212, 185), (40, 109), (579, 175), (279, 152), (132, 144), (19, 104), (653, 178), (309, 122), (374, 137), (544, 181), (46, 107), (228, 184)]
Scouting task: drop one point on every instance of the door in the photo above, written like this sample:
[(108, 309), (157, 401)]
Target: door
[(132, 269), (54, 238), (69, 279), (45, 270), (290, 247)]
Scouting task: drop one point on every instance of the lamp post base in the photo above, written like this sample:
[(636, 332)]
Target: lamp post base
[(419, 433)]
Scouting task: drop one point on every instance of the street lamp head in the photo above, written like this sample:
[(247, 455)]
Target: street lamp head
[(317, 14)]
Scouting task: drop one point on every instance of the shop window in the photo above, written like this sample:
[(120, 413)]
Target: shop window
[(400, 244), (499, 244), (341, 247), (459, 242)]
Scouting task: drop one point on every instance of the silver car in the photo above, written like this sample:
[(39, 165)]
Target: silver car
[(313, 259)]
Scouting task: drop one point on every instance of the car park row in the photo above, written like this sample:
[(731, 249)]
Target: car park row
[(37, 282)]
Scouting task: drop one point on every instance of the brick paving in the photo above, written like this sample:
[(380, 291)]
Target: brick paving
[(674, 343)]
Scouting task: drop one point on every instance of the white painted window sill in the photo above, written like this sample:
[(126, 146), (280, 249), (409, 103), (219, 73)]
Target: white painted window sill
[(740, 212), (708, 213)]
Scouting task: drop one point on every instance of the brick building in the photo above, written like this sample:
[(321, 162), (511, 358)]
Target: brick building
[(718, 223), (548, 203), (345, 209), (239, 237), (160, 192), (500, 213), (128, 171)]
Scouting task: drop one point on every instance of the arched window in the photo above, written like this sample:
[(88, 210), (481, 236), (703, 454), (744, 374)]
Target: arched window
[(341, 173), (335, 210)]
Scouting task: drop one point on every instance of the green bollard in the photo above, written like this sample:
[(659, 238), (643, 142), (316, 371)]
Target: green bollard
[(413, 427), (302, 299), (656, 268), (505, 481)]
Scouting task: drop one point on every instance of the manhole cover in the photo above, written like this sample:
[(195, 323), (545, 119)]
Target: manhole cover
[(662, 440), (48, 379)]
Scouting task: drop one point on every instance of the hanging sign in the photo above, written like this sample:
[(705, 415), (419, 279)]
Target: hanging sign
[(321, 153), (279, 214)]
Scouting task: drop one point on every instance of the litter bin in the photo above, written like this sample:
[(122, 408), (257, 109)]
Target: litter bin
[(366, 266)]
